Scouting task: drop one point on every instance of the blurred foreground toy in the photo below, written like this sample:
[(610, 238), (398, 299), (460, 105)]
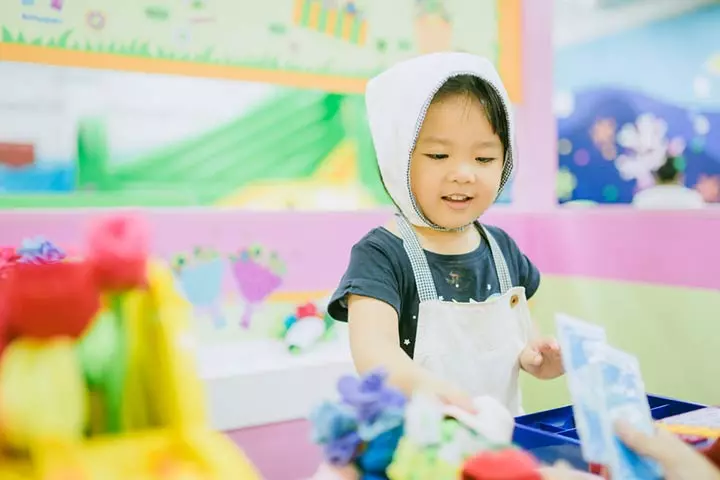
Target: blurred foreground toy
[(443, 442), (98, 380), (373, 433), (363, 428)]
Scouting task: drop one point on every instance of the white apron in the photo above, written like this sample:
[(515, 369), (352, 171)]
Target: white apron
[(474, 345)]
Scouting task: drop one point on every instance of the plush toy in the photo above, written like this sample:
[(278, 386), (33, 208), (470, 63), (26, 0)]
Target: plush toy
[(361, 430)]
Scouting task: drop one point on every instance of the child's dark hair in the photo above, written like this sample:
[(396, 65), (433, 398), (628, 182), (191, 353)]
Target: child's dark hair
[(488, 97), (669, 171)]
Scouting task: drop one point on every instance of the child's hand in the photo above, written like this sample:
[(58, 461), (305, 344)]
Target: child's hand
[(542, 358), (448, 393)]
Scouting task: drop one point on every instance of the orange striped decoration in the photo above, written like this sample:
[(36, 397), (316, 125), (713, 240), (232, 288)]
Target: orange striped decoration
[(510, 25), (314, 20), (362, 38), (331, 24), (347, 26), (298, 11)]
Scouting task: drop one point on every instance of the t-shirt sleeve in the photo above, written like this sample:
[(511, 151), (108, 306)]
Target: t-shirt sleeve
[(371, 273), (528, 275)]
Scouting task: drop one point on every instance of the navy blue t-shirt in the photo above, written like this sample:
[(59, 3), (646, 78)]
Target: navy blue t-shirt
[(380, 268)]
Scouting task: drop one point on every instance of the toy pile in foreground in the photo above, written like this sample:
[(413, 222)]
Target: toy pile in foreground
[(97, 373), (372, 432)]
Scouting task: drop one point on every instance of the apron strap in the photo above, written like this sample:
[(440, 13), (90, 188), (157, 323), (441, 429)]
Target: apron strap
[(421, 270), (501, 267)]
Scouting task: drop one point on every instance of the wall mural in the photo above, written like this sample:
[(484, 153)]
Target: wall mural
[(331, 44), (618, 115), (290, 147)]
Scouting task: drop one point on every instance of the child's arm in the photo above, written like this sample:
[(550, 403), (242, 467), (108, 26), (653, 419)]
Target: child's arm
[(374, 342)]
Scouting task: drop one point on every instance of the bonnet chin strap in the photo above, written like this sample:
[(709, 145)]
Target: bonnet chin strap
[(431, 225)]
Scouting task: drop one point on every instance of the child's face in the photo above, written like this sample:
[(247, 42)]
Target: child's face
[(457, 164)]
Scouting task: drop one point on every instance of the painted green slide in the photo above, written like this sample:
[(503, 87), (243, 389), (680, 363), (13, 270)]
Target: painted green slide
[(287, 136)]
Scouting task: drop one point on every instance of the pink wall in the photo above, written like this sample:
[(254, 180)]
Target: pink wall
[(534, 185), (612, 243)]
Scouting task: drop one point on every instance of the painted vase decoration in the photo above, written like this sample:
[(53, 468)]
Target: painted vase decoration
[(257, 274), (200, 279)]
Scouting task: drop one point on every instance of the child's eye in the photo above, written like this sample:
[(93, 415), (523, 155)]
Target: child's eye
[(436, 156), (484, 159)]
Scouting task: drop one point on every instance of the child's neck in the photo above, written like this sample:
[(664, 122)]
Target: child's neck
[(449, 243)]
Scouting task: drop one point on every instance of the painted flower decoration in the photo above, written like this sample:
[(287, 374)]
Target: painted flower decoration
[(95, 19), (676, 146), (566, 183), (646, 147), (369, 395), (603, 136), (709, 187)]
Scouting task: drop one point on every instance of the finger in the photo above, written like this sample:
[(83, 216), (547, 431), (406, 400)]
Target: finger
[(532, 358), (550, 345), (537, 359), (654, 446)]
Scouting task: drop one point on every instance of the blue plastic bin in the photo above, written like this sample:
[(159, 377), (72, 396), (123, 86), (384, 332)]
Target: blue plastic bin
[(551, 435)]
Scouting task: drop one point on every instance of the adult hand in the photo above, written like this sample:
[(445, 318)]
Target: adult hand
[(558, 473), (678, 459)]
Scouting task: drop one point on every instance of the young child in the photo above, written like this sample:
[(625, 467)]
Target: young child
[(669, 192), (434, 297)]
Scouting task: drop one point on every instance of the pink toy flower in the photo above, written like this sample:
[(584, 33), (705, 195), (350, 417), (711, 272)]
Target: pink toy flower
[(118, 249)]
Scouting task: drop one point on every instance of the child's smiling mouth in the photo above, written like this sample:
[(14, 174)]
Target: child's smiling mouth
[(457, 201)]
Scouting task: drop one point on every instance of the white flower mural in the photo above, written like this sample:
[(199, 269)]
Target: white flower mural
[(646, 146)]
